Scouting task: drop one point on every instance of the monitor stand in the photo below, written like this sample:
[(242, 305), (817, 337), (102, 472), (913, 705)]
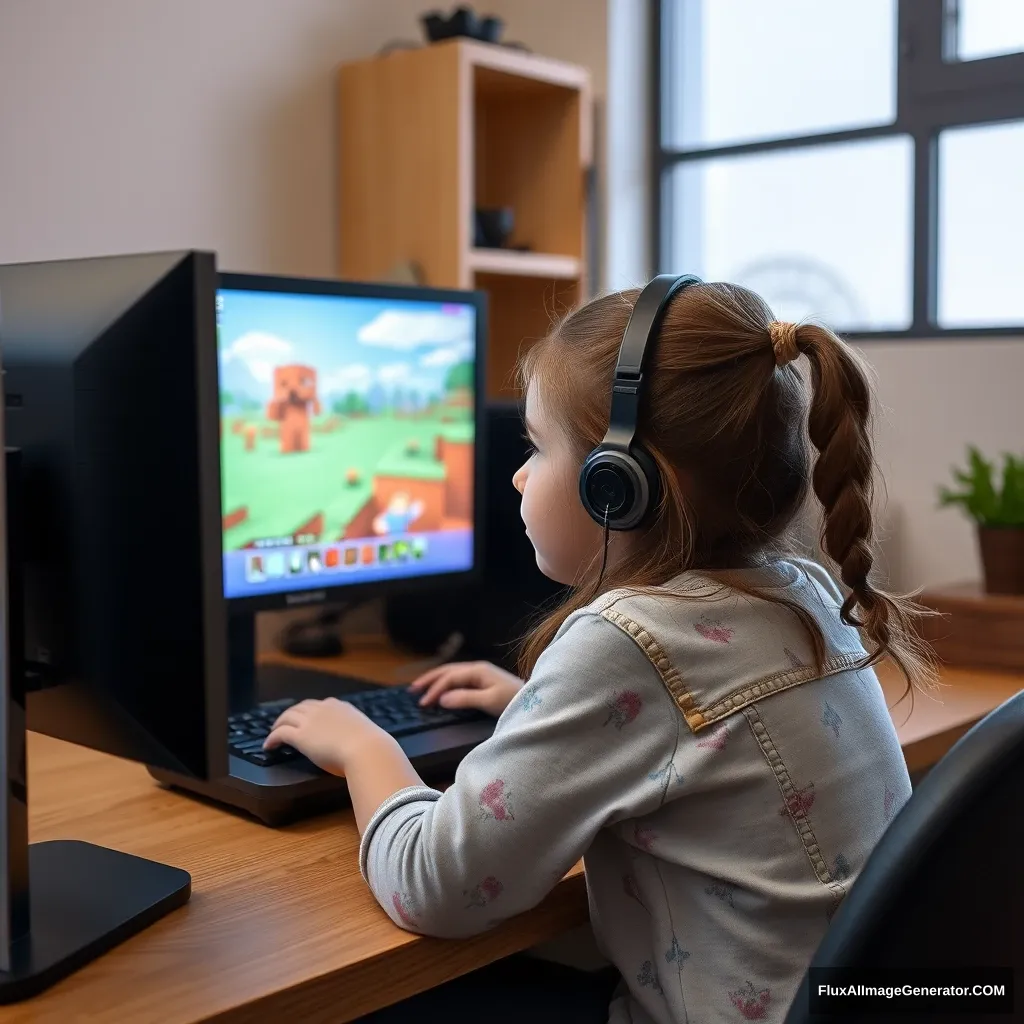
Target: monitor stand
[(318, 637), (62, 903), (249, 683)]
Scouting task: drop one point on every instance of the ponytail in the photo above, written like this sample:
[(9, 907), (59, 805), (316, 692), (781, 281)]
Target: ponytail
[(839, 427)]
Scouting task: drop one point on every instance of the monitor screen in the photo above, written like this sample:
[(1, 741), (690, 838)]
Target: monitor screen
[(347, 439)]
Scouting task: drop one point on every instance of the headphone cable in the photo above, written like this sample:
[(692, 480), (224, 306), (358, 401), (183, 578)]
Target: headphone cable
[(604, 556)]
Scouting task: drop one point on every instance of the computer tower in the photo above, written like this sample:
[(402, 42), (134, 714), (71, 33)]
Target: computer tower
[(491, 616)]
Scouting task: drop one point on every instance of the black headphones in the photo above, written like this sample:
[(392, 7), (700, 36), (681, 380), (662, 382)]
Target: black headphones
[(619, 481)]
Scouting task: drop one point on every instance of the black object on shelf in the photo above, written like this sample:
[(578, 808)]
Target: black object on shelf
[(492, 226), (62, 903), (463, 22)]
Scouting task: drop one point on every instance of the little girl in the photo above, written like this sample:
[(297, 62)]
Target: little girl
[(700, 721)]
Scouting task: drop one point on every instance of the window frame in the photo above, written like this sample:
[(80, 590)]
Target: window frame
[(932, 94)]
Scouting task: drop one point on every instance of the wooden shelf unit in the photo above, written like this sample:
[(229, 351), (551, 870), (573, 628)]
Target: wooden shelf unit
[(426, 136)]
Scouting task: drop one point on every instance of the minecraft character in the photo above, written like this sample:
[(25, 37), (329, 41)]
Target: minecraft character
[(294, 394), (400, 514)]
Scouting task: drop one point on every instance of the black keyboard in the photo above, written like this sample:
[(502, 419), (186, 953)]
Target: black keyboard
[(393, 708)]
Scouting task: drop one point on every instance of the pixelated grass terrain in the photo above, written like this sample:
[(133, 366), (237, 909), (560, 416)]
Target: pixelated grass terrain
[(283, 492)]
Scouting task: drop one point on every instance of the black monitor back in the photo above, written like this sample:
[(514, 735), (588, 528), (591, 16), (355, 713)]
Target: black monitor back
[(110, 382)]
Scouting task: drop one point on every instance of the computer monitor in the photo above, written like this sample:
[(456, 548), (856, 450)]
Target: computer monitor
[(114, 582), (110, 382), (350, 456)]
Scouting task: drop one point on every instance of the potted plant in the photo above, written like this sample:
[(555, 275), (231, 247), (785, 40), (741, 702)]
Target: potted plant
[(998, 512)]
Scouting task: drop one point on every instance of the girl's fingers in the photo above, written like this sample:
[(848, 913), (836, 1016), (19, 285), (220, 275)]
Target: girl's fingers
[(428, 677), (465, 698), (436, 688), (290, 716), (462, 676), (281, 734)]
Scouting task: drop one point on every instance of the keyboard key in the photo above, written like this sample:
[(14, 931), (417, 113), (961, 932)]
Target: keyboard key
[(265, 758), (282, 753)]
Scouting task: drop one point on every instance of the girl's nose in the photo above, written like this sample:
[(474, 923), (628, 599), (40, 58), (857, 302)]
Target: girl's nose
[(519, 479)]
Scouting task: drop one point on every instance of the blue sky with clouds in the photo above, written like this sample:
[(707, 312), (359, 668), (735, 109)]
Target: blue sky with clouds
[(352, 343)]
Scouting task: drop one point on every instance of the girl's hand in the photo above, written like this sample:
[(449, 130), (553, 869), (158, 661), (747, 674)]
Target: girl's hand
[(328, 732), (473, 684)]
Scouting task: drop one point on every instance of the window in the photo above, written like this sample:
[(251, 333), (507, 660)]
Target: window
[(981, 226), (719, 49), (834, 240), (854, 160), (986, 28)]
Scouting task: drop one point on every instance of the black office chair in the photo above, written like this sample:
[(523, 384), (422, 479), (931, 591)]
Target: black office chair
[(944, 887)]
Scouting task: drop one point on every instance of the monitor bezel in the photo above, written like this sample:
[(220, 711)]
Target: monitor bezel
[(347, 592)]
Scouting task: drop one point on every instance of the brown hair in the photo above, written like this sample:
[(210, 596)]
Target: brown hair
[(728, 421)]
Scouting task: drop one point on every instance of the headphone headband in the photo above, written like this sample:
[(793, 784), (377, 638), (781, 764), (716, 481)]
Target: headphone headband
[(619, 481), (642, 326)]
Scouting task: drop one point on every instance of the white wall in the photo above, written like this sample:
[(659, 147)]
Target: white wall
[(132, 125), (935, 397)]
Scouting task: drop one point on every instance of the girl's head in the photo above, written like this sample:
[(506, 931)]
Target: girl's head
[(727, 420)]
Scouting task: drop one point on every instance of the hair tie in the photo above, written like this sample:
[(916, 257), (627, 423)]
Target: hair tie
[(784, 344)]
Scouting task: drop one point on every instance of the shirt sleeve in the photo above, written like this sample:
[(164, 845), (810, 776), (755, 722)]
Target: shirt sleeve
[(584, 744)]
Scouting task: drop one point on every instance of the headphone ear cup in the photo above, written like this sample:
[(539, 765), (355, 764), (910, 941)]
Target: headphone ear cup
[(604, 487), (649, 468), (615, 487)]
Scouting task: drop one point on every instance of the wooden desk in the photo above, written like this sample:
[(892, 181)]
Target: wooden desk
[(281, 925), (936, 723)]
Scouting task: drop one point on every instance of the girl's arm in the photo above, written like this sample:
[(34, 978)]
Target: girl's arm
[(374, 773), (588, 741)]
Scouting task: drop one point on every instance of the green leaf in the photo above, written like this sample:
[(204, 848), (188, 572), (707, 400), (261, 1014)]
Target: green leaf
[(984, 504), (977, 492), (1011, 512), (948, 497)]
